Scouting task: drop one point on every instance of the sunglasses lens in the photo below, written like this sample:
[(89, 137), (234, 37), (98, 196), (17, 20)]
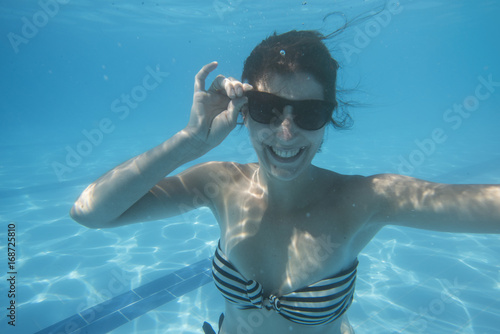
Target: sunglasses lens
[(267, 108), (260, 107), (312, 117), (260, 113)]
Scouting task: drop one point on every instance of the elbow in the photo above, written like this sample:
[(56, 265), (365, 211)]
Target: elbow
[(84, 219), (84, 212)]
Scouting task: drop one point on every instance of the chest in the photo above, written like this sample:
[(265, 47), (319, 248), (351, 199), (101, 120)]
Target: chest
[(285, 251)]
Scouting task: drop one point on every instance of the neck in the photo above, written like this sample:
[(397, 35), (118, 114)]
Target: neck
[(289, 194)]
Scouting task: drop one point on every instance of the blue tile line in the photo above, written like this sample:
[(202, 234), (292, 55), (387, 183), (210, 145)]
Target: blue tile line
[(119, 310)]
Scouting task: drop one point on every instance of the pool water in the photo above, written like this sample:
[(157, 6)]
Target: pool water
[(88, 85)]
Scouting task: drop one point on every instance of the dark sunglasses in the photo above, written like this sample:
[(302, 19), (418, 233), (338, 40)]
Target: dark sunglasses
[(267, 108)]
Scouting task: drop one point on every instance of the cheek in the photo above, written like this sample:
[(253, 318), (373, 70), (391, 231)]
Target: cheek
[(258, 132), (317, 137)]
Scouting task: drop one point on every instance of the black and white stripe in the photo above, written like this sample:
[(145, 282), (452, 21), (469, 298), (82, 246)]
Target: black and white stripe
[(316, 304)]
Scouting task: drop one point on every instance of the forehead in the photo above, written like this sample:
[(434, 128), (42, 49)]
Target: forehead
[(294, 86)]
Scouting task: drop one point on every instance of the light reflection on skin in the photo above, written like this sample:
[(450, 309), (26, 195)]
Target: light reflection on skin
[(252, 207), (310, 254)]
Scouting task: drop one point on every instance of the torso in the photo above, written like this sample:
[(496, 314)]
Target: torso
[(288, 250)]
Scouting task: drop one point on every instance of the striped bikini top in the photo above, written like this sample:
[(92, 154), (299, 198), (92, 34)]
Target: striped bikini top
[(317, 304)]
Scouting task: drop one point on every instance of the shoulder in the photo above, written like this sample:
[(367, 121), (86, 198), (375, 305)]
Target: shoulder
[(228, 168), (375, 184), (380, 188), (363, 193), (391, 195), (217, 172), (345, 183)]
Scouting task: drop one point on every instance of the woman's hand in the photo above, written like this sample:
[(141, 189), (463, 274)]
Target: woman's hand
[(215, 111)]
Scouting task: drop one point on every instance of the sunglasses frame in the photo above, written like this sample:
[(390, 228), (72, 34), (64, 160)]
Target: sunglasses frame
[(302, 110)]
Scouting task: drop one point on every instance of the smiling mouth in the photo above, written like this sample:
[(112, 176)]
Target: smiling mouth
[(286, 155)]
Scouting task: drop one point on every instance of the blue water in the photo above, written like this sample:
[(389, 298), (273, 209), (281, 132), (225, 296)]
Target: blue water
[(66, 72)]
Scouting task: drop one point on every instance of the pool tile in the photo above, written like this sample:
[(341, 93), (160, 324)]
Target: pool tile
[(109, 306), (67, 325), (189, 284), (159, 284), (195, 268), (147, 304), (104, 325), (119, 310)]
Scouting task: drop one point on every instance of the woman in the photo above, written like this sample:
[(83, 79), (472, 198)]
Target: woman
[(290, 231)]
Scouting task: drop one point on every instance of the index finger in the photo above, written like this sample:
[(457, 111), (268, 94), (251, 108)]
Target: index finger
[(199, 79)]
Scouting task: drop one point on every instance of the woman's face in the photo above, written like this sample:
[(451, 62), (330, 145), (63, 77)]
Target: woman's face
[(285, 151)]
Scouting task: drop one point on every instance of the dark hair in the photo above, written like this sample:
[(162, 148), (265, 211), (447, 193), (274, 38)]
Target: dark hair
[(296, 51)]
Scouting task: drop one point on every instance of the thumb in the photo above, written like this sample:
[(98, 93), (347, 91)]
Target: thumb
[(226, 120), (235, 106)]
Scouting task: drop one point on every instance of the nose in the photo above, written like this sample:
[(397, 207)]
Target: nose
[(285, 127)]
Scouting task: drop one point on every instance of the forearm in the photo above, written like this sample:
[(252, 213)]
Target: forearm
[(112, 194)]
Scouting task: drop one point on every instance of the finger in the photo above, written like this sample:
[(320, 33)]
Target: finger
[(234, 88), (247, 87), (218, 84), (232, 112), (228, 85), (238, 89), (237, 105), (201, 76), (241, 88)]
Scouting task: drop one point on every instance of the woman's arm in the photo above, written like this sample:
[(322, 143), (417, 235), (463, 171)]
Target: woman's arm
[(136, 190), (415, 203)]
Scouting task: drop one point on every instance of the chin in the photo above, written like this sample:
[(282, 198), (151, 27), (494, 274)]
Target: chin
[(283, 174)]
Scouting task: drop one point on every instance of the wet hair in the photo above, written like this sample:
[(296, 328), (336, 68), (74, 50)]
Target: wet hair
[(297, 51)]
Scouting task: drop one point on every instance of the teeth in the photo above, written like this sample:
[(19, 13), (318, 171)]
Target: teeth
[(287, 153)]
